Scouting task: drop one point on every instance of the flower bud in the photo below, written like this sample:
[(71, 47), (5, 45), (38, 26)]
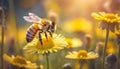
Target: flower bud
[(88, 40), (99, 48)]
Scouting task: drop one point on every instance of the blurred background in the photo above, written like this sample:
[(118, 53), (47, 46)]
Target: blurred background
[(73, 21)]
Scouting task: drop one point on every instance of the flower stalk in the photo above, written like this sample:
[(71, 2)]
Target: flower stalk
[(38, 61), (118, 63), (81, 63), (119, 51), (47, 61), (2, 37), (105, 47)]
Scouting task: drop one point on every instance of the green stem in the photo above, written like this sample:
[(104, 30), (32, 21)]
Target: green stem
[(118, 63), (105, 47), (82, 61), (2, 37), (47, 61), (81, 65), (38, 61)]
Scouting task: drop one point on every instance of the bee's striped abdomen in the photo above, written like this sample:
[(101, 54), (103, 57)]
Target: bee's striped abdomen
[(31, 32)]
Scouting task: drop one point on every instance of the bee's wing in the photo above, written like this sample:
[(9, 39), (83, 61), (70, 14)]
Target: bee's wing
[(28, 19), (32, 18)]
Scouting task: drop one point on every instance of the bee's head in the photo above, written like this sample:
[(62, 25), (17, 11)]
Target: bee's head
[(45, 23)]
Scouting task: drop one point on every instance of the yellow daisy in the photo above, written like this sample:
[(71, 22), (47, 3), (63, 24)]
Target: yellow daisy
[(82, 54), (108, 20), (78, 25), (50, 45), (33, 57), (73, 42), (19, 61)]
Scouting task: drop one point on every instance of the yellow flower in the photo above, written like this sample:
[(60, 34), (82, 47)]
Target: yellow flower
[(108, 17), (73, 42), (111, 48), (82, 54), (33, 57), (50, 45), (78, 25), (108, 20), (19, 61)]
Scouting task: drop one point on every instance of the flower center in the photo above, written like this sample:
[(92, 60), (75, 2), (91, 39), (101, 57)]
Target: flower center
[(20, 60), (110, 16), (47, 43), (82, 53)]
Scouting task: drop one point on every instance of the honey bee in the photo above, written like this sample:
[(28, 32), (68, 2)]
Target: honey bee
[(39, 26)]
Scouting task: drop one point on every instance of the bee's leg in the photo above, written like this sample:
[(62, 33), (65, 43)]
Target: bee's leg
[(53, 27), (52, 30), (50, 33), (46, 35), (48, 30), (40, 38), (48, 27)]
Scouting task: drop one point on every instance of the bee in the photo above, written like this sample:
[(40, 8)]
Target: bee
[(39, 25)]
